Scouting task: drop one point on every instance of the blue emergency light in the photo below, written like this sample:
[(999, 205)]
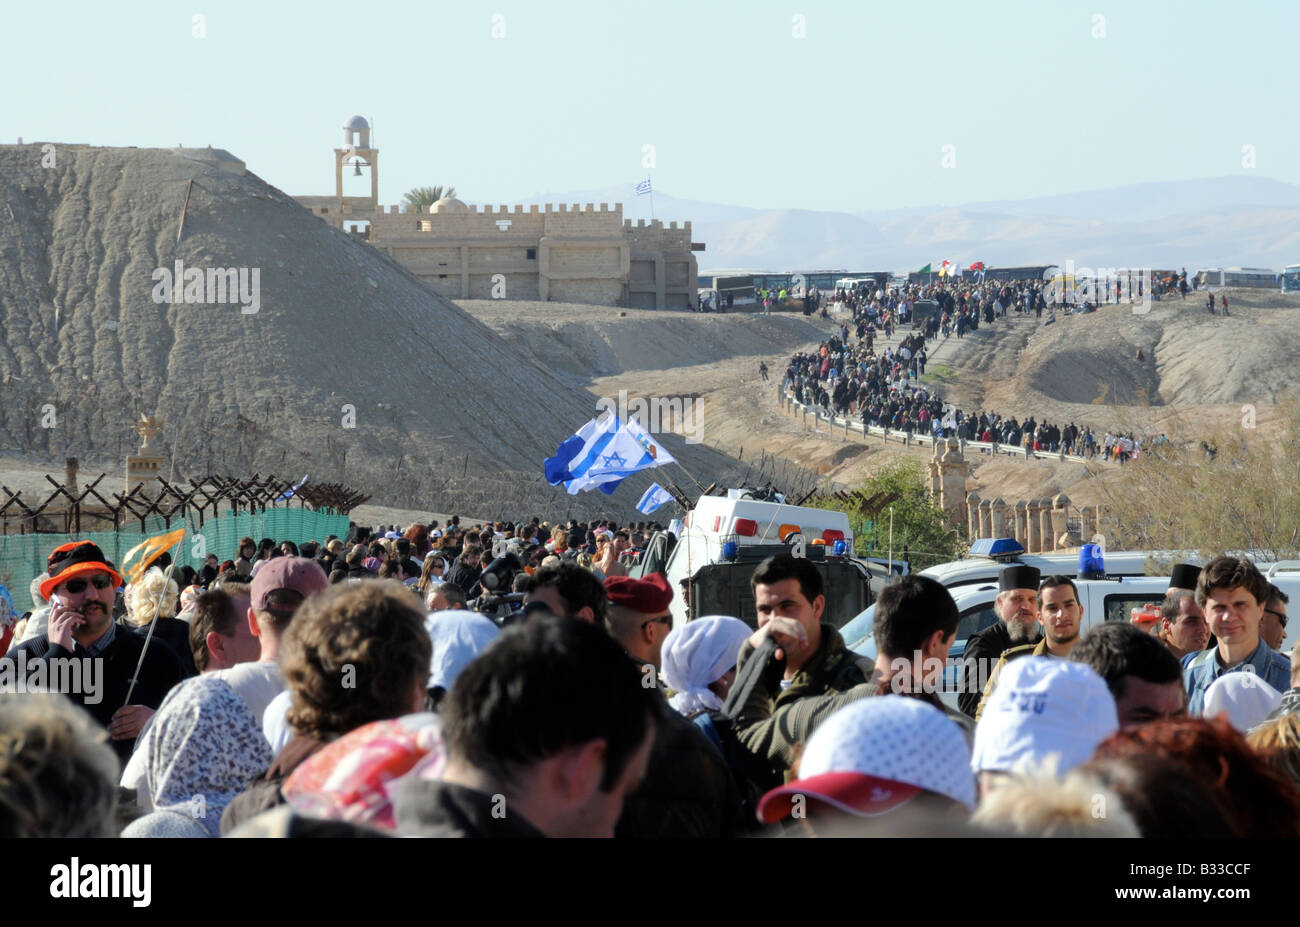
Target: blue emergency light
[(1092, 563)]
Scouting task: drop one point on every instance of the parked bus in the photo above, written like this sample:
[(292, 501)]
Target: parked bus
[(1291, 278), (1258, 277)]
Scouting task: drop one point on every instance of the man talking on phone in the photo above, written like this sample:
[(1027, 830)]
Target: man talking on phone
[(81, 588)]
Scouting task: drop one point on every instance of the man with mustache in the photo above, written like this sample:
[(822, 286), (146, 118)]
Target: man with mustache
[(1017, 606), (81, 588)]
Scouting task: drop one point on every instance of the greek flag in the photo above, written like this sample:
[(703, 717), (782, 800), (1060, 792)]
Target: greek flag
[(602, 454), (654, 497), (643, 187)]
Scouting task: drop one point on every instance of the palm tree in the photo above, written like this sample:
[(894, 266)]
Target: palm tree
[(421, 198)]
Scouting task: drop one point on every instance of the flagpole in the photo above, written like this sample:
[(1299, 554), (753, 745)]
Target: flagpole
[(698, 484), (171, 567)]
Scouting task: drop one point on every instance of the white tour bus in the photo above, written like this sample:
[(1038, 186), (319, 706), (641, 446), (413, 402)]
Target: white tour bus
[(1256, 277)]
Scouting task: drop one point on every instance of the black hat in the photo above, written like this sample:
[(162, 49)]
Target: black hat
[(1184, 576), (1019, 577)]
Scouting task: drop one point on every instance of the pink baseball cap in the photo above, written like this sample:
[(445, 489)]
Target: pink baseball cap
[(297, 573)]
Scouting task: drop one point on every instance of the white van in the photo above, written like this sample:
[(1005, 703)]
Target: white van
[(1102, 600), (990, 557), (1286, 576), (719, 528)]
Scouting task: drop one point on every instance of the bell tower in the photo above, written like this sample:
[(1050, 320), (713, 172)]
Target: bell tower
[(356, 152)]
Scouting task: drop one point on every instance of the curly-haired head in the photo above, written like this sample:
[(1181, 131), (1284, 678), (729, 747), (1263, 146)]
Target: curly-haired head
[(58, 776), (354, 653), (142, 603)]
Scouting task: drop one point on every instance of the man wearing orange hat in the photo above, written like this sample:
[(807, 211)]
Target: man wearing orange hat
[(81, 588)]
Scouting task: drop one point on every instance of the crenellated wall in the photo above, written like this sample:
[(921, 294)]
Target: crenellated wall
[(566, 252)]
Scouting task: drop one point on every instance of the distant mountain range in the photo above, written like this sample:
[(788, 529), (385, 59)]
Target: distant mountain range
[(1215, 222)]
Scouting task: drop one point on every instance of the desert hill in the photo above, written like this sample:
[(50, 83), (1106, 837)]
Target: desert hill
[(350, 368)]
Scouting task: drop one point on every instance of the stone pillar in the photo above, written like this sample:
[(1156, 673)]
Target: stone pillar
[(986, 518), (973, 515), (998, 513), (953, 471), (1087, 523), (1060, 520), (1021, 523), (1035, 538), (70, 474), (1045, 514)]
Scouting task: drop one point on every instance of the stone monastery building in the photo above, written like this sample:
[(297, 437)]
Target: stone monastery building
[(561, 253)]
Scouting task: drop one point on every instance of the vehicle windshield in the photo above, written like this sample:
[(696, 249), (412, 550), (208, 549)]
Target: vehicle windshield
[(858, 631)]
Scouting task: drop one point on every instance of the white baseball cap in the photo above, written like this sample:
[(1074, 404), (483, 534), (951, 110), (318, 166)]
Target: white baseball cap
[(1042, 706), (873, 755), (1244, 697)]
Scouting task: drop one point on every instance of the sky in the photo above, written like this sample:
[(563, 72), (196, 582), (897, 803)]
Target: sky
[(794, 104)]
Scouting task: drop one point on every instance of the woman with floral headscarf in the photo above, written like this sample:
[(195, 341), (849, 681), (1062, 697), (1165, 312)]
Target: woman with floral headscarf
[(201, 749)]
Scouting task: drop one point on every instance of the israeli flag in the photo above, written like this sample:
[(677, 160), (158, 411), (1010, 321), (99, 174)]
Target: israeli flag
[(654, 497), (288, 493), (602, 454)]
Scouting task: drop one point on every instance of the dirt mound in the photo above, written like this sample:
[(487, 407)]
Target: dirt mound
[(598, 341), (1109, 372), (1196, 367), (344, 366)]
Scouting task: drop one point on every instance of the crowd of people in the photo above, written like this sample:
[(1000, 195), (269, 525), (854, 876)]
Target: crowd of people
[(883, 388), (313, 692)]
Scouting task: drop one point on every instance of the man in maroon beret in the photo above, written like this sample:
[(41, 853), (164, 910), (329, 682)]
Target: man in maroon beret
[(687, 790), (638, 617)]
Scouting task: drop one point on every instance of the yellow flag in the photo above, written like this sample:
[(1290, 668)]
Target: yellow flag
[(150, 549)]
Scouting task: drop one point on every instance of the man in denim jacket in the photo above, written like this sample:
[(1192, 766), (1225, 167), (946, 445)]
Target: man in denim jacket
[(1233, 593)]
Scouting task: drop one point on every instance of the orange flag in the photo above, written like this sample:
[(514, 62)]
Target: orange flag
[(149, 550)]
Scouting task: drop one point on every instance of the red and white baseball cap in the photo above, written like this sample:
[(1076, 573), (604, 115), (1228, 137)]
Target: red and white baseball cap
[(873, 755)]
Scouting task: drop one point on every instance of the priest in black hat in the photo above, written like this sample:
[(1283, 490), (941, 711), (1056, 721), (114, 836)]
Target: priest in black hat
[(1183, 577), (1017, 607)]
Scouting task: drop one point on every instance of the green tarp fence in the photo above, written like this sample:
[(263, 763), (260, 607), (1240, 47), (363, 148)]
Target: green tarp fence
[(22, 556)]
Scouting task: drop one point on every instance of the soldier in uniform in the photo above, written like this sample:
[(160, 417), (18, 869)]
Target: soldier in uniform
[(1060, 613), (1017, 606), (793, 656)]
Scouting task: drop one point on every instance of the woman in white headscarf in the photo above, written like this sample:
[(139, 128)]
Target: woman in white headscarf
[(202, 748), (699, 662)]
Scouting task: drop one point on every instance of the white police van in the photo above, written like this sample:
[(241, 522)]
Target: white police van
[(723, 538), (990, 556), (1102, 600)]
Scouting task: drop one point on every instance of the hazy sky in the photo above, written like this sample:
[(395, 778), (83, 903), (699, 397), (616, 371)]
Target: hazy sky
[(1036, 98)]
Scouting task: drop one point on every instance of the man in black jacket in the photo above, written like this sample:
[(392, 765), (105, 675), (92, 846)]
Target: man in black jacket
[(590, 725), (86, 656), (1017, 606)]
